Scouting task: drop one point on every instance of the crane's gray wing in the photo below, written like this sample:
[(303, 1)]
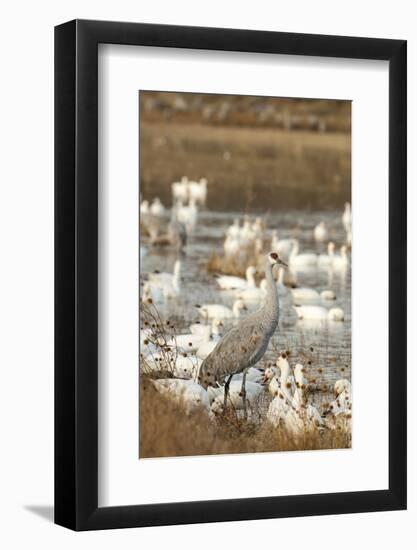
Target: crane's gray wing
[(237, 349)]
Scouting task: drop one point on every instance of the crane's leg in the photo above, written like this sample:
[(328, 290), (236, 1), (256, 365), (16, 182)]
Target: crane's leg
[(226, 391), (243, 395)]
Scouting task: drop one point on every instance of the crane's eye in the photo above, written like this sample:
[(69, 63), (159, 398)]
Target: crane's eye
[(274, 255)]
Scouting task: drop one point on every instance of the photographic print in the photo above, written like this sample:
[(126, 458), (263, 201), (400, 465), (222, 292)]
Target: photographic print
[(245, 274)]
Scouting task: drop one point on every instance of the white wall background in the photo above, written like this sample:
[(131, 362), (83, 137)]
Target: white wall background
[(26, 289)]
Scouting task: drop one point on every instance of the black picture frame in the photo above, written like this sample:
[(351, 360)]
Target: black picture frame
[(76, 272)]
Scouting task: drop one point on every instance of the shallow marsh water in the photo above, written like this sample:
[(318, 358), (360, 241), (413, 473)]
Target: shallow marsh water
[(326, 344)]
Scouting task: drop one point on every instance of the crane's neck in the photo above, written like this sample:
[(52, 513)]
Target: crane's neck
[(271, 306)]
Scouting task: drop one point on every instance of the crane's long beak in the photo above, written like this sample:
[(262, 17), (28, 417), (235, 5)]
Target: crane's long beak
[(281, 262)]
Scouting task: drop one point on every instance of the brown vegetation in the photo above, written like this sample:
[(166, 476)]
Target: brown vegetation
[(166, 430)]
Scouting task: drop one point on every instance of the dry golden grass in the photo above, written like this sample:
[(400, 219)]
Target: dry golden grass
[(166, 430)]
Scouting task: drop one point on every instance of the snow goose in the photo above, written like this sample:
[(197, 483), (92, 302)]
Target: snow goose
[(253, 294), (282, 289), (271, 378), (231, 246), (186, 392), (304, 295), (319, 313), (186, 366), (326, 260), (339, 412), (340, 262), (190, 342), (167, 282), (234, 395), (320, 232), (234, 229), (157, 208), (152, 294), (220, 311), (160, 278), (187, 215), (180, 189), (298, 261), (327, 295), (198, 191), (144, 207), (347, 217), (282, 246), (207, 346), (229, 282)]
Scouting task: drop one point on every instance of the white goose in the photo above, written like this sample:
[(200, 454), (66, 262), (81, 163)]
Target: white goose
[(234, 229), (230, 282), (304, 295), (340, 262), (271, 377), (198, 191), (347, 217), (180, 189), (186, 366), (254, 294), (207, 346), (220, 311), (234, 395), (319, 313), (157, 208), (320, 232), (282, 289), (199, 328), (282, 246), (187, 215), (339, 412), (327, 295), (186, 392), (326, 260), (152, 293), (190, 342), (298, 261), (167, 282), (232, 245), (144, 207)]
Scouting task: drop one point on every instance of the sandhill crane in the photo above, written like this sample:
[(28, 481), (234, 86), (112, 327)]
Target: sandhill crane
[(245, 344)]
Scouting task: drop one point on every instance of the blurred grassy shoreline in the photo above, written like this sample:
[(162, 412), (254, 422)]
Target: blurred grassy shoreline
[(284, 168)]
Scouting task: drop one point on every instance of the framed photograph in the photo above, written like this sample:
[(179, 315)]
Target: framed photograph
[(230, 255)]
